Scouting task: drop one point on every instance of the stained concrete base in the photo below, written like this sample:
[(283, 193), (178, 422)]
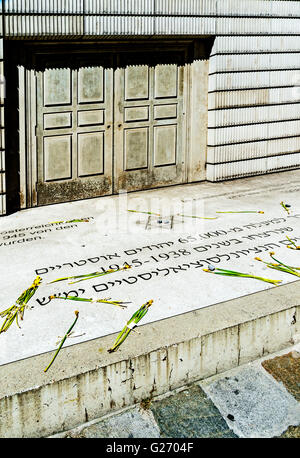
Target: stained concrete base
[(244, 402), (200, 324)]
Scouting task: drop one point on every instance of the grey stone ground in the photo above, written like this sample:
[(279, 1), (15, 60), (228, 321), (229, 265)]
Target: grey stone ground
[(245, 402)]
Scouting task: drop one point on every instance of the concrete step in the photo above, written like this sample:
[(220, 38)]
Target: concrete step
[(86, 382)]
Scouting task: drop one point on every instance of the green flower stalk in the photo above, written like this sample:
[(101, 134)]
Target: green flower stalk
[(92, 300), (194, 216), (131, 323), (280, 266), (294, 247), (88, 276), (18, 308), (147, 213), (232, 273), (244, 211), (63, 341), (282, 269), (80, 220), (286, 207), (281, 263)]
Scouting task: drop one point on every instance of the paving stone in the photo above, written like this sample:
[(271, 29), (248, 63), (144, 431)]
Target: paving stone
[(286, 369), (133, 423), (191, 414), (253, 403)]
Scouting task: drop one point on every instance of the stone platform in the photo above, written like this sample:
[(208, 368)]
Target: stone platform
[(199, 324)]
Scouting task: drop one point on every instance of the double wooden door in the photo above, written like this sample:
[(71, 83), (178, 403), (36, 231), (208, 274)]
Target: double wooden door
[(110, 122)]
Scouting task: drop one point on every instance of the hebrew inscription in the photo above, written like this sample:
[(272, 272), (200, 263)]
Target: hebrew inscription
[(173, 257)]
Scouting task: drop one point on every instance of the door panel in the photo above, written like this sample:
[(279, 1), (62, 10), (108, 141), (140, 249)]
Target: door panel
[(136, 83), (57, 158), (148, 130), (90, 85), (90, 117), (165, 138), (136, 148), (90, 154), (165, 81), (115, 121), (56, 120), (57, 87), (74, 131)]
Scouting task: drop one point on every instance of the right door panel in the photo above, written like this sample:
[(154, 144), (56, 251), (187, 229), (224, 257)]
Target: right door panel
[(148, 131)]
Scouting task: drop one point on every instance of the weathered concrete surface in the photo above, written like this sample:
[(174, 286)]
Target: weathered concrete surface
[(187, 413), (198, 325), (242, 402)]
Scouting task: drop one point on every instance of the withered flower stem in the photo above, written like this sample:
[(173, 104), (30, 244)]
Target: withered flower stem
[(18, 308), (63, 341), (136, 317), (232, 273), (243, 211), (285, 206), (83, 299)]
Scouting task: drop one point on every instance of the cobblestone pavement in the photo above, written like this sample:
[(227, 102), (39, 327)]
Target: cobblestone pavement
[(256, 400)]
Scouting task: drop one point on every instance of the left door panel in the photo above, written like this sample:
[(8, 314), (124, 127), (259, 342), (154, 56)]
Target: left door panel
[(74, 106)]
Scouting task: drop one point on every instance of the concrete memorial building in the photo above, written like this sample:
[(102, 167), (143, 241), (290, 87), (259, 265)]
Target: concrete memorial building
[(102, 96)]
